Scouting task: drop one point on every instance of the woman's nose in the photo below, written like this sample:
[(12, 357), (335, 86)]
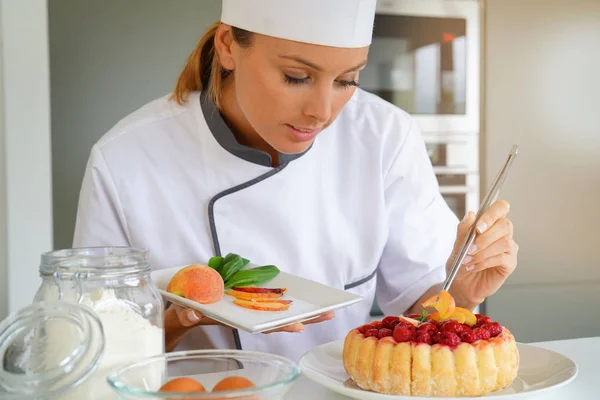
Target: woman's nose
[(319, 105)]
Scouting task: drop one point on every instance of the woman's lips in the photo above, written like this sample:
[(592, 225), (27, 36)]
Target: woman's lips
[(303, 134)]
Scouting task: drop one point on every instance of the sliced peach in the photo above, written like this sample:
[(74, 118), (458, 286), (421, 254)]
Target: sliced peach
[(263, 299), (279, 301), (430, 302), (445, 305), (466, 316), (410, 320), (458, 317), (262, 306), (268, 300), (251, 296), (435, 317), (255, 289)]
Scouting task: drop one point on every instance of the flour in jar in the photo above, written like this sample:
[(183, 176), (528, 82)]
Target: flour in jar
[(128, 337)]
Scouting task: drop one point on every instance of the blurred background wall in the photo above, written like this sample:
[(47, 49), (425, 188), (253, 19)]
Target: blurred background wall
[(25, 157), (542, 91)]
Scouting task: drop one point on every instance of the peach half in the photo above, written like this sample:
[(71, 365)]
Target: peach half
[(233, 383), (199, 283), (183, 385)]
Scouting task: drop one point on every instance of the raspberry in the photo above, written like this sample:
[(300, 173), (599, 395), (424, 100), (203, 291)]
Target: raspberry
[(390, 322), (482, 319), (413, 316), (376, 325), (449, 339), (424, 337), (468, 336), (451, 326), (402, 334), (384, 332), (407, 325), (372, 333), (363, 329), (465, 330), (430, 327), (389, 319), (493, 328), (481, 334), (392, 325)]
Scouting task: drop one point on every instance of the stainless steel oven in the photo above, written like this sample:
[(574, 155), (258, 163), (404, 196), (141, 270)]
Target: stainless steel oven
[(425, 58), (455, 161)]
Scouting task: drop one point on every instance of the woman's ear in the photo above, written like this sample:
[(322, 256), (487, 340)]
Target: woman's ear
[(223, 46)]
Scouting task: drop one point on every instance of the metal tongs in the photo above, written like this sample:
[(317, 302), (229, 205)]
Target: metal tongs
[(489, 199)]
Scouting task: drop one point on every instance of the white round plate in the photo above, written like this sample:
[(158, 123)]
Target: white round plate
[(539, 370)]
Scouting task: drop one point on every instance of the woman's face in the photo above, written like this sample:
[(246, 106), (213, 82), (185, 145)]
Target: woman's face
[(286, 92)]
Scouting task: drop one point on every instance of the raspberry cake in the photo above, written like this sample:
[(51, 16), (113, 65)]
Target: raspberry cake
[(452, 352)]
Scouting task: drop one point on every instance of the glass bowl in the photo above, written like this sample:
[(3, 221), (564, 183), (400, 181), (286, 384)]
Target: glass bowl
[(272, 375)]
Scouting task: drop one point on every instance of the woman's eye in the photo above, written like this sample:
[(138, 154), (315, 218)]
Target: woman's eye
[(295, 81), (347, 84), (298, 81)]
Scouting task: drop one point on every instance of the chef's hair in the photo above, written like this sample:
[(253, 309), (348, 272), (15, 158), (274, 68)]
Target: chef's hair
[(203, 70)]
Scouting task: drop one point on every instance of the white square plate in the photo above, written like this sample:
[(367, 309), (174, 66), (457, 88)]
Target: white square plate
[(309, 299)]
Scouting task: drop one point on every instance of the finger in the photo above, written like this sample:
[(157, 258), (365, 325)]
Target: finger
[(502, 245), (298, 327), (187, 316), (505, 262), (462, 230), (502, 228), (323, 317), (496, 211)]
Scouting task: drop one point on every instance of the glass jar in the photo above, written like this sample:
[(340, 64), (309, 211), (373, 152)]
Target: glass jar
[(32, 366), (115, 283)]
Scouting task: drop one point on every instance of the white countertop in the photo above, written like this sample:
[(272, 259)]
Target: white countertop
[(584, 352)]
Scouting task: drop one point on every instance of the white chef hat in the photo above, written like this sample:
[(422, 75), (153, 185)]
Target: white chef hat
[(337, 23)]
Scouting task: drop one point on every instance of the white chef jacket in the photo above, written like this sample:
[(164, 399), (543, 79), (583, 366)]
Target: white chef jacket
[(360, 210)]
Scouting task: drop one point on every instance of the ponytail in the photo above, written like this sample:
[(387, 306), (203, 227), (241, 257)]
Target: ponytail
[(203, 71)]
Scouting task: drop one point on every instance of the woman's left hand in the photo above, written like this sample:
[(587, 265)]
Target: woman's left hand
[(491, 259)]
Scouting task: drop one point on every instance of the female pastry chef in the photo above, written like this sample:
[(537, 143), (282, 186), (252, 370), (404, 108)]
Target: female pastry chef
[(268, 149)]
